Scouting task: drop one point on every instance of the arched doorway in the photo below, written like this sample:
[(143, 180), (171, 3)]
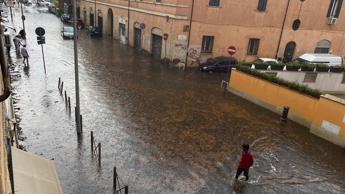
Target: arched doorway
[(156, 43), (110, 22), (84, 16), (137, 35), (323, 46), (92, 18), (100, 22), (289, 51)]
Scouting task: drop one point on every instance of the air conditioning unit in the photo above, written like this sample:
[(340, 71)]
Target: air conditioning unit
[(332, 20)]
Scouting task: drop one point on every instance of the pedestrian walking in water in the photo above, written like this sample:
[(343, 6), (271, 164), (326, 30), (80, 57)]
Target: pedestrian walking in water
[(25, 55), (16, 42), (245, 163)]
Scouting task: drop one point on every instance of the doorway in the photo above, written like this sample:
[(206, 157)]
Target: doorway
[(289, 51), (110, 23), (156, 46), (122, 31), (100, 24), (137, 38)]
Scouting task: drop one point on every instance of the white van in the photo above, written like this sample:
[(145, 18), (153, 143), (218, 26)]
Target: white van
[(315, 58)]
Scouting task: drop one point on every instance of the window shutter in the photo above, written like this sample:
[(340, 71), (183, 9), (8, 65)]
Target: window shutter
[(330, 8), (262, 5), (340, 3)]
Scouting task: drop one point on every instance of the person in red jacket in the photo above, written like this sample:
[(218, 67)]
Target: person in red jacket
[(245, 163)]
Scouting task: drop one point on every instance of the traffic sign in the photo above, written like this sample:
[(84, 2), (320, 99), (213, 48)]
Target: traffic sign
[(231, 50), (40, 31), (165, 36)]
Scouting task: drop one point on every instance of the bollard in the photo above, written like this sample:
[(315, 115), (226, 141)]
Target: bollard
[(61, 87), (114, 178), (76, 118), (99, 153), (66, 102), (59, 83), (81, 123), (126, 189), (69, 105), (285, 114), (91, 142)]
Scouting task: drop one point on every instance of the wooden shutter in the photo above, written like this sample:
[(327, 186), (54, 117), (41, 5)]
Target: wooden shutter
[(330, 8), (337, 12)]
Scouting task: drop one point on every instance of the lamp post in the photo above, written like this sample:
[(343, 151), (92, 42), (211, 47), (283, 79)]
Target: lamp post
[(76, 71)]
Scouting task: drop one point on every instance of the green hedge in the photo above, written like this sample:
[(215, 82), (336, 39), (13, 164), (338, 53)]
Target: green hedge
[(291, 85)]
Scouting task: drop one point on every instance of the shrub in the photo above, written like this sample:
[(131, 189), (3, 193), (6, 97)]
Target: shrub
[(291, 85)]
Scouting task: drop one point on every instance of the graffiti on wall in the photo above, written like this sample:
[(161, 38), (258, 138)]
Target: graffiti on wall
[(194, 52), (180, 51)]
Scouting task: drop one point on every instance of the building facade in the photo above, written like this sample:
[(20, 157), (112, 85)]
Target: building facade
[(257, 28), (268, 28), (160, 28)]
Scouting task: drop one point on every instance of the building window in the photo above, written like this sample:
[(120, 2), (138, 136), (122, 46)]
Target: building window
[(253, 46), (214, 3), (343, 81), (262, 5), (322, 46), (334, 8), (207, 44), (310, 77)]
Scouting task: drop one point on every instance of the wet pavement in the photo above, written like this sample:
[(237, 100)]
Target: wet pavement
[(166, 131)]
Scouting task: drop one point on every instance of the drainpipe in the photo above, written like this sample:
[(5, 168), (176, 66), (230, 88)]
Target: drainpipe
[(282, 29), (129, 5), (3, 63), (95, 12), (190, 30)]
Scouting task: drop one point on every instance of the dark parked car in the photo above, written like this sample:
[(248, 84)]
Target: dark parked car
[(95, 32), (65, 18), (218, 64)]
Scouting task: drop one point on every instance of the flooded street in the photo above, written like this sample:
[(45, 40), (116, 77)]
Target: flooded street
[(166, 131)]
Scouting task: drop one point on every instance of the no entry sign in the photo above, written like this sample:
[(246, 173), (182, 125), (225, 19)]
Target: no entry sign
[(231, 50)]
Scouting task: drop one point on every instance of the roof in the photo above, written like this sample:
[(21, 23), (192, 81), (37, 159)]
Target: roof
[(34, 174)]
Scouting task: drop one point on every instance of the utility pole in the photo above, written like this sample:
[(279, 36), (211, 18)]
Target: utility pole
[(23, 17), (282, 29), (75, 39), (190, 30)]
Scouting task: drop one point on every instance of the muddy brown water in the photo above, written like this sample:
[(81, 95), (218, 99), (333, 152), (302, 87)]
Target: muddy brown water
[(166, 131)]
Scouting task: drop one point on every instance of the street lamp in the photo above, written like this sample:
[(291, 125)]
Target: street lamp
[(76, 71)]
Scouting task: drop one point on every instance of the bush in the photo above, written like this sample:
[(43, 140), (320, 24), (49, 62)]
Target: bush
[(291, 85)]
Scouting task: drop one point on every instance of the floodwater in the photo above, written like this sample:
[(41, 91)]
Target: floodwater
[(166, 131)]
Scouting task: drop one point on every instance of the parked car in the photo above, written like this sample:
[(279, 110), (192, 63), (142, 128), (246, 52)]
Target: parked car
[(327, 59), (65, 18), (94, 32), (67, 32), (218, 64), (44, 3), (266, 61), (80, 23)]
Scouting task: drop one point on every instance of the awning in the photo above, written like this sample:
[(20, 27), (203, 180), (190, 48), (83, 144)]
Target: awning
[(34, 174)]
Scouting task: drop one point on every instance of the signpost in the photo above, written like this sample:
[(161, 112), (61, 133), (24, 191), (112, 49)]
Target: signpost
[(40, 32), (231, 50), (165, 37)]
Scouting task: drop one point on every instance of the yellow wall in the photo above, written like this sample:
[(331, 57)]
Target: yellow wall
[(273, 94), (311, 111), (332, 111)]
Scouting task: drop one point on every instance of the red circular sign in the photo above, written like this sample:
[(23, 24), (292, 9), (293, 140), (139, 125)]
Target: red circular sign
[(231, 50)]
